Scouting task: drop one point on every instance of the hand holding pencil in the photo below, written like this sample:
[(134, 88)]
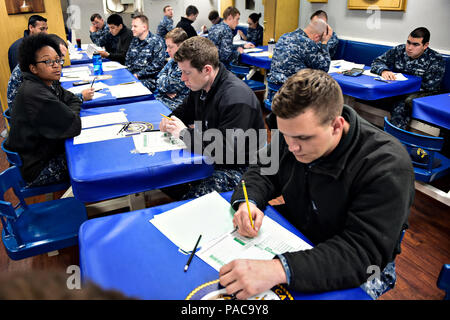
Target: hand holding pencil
[(248, 218)]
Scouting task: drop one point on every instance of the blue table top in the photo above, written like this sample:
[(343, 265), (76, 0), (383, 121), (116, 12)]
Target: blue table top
[(433, 109), (118, 76), (367, 88), (108, 169), (260, 62), (85, 59), (128, 253), (362, 87)]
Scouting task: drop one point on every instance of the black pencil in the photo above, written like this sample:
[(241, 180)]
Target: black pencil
[(186, 267)]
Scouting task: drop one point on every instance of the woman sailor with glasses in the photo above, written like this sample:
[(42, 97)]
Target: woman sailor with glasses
[(44, 113)]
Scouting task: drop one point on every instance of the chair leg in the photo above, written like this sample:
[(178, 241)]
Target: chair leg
[(53, 253)]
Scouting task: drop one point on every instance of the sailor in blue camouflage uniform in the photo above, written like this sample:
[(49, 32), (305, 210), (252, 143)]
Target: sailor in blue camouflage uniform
[(255, 31), (100, 34), (414, 58), (166, 23), (146, 56), (334, 41), (298, 50), (222, 37), (171, 89)]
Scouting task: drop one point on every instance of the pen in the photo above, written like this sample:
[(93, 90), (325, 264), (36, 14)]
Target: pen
[(248, 204), (125, 127), (93, 80), (382, 80), (131, 82), (186, 267), (168, 118)]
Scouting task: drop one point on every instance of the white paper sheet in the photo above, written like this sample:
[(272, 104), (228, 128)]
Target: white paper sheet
[(112, 65), (252, 50), (97, 86), (210, 216), (260, 54), (103, 119), (129, 90), (272, 239), (149, 142), (99, 134)]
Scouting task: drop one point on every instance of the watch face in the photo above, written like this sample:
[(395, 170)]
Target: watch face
[(214, 291)]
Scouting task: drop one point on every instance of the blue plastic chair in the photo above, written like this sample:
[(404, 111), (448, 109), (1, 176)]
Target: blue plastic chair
[(14, 159), (432, 164), (244, 71), (443, 281), (271, 87), (7, 114), (29, 230)]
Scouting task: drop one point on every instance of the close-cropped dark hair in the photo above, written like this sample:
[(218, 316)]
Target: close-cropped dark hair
[(421, 32), (191, 10), (309, 88), (35, 18), (213, 15), (178, 35), (319, 13), (58, 40), (94, 16), (31, 45), (165, 7), (200, 51), (255, 17), (115, 19)]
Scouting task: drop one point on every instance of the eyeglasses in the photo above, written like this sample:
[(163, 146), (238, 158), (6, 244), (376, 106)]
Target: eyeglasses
[(52, 62)]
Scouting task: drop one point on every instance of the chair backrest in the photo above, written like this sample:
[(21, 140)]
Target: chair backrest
[(273, 86), (15, 160), (239, 70), (10, 178), (13, 157), (414, 140), (7, 114), (443, 281)]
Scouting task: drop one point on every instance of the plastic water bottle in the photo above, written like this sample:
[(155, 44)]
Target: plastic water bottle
[(97, 62), (271, 45)]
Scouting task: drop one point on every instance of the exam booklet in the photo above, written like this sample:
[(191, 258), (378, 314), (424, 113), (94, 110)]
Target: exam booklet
[(272, 239)]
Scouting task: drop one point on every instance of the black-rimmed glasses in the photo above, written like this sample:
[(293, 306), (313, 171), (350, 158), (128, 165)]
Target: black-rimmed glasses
[(52, 62)]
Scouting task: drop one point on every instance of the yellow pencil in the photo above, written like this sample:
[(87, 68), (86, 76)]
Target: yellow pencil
[(168, 118), (248, 204)]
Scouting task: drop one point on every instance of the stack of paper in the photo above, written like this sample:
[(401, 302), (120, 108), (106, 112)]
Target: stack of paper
[(342, 65), (99, 134), (272, 239), (150, 142), (261, 54), (75, 73), (253, 50), (96, 86), (129, 90), (103, 119), (212, 217), (112, 65)]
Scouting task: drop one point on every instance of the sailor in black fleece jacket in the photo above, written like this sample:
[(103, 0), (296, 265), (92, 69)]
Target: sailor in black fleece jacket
[(347, 186), (218, 102), (44, 115)]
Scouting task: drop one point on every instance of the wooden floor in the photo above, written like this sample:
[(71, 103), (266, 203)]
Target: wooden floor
[(425, 248)]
